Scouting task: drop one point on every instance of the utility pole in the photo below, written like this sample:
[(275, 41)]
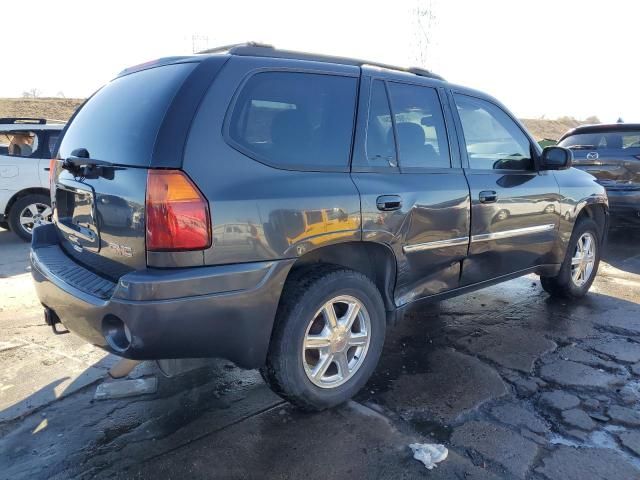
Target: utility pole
[(424, 21)]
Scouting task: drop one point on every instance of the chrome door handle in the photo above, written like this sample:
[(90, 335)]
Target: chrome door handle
[(488, 196), (388, 203)]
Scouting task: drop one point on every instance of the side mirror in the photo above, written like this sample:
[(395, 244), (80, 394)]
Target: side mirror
[(556, 158)]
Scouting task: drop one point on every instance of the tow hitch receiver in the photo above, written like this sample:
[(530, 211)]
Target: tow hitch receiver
[(50, 318)]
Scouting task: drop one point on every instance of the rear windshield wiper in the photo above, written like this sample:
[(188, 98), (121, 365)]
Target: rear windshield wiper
[(582, 147), (80, 163)]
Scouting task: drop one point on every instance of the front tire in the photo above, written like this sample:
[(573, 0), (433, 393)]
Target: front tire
[(580, 266), (327, 339), (29, 212)]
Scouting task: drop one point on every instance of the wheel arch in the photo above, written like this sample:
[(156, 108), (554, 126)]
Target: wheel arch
[(23, 193), (599, 213), (374, 260)]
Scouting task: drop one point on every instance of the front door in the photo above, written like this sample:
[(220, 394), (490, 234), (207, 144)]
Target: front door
[(514, 208), (413, 192)]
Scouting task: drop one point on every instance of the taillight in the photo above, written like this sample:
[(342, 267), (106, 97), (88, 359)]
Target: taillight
[(177, 215)]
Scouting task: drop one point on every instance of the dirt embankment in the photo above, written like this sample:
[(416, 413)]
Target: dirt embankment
[(552, 129), (63, 108), (49, 108)]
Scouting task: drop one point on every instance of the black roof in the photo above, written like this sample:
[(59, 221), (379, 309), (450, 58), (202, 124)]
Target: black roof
[(254, 49)]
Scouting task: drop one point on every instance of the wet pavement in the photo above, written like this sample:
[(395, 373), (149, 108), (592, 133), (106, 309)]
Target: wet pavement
[(515, 384)]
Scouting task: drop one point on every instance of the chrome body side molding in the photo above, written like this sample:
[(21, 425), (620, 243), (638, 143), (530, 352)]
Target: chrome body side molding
[(454, 242), (418, 247), (512, 233)]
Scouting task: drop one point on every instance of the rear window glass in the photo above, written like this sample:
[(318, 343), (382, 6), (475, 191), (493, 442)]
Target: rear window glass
[(119, 124), (603, 140), (295, 120)]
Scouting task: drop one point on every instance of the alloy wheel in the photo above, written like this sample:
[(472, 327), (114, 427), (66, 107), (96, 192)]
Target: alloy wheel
[(336, 341), (583, 260), (33, 215)]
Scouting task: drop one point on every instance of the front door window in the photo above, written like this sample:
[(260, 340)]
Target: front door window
[(493, 140)]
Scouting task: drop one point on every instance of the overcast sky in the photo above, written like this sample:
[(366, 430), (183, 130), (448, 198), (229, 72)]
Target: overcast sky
[(551, 58)]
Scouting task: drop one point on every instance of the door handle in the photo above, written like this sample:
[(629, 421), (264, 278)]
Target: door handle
[(388, 203), (488, 196)]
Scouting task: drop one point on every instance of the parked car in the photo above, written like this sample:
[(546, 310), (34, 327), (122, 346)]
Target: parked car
[(26, 147), (611, 153), (358, 190)]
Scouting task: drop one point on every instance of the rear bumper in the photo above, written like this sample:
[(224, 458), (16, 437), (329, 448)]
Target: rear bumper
[(224, 311), (624, 205)]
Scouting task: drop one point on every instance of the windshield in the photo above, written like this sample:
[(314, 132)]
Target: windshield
[(119, 124), (602, 140)]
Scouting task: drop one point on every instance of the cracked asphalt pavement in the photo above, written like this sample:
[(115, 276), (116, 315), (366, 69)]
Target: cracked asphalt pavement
[(515, 384)]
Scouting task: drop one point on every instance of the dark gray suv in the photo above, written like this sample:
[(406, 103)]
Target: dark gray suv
[(279, 209)]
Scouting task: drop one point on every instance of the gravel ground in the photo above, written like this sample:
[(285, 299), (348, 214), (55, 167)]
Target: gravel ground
[(515, 384)]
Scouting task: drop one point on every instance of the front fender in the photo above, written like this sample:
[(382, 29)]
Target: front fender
[(578, 191)]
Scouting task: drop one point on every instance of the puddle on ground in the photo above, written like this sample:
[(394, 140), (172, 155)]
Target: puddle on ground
[(598, 439), (438, 432)]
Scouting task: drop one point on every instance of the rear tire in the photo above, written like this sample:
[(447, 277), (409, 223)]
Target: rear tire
[(32, 206), (5, 225), (569, 283), (315, 360)]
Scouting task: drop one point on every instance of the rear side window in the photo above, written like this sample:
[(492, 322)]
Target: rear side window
[(295, 121), (603, 140), (422, 137), (19, 143), (120, 122)]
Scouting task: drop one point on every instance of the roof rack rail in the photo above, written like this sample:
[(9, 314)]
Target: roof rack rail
[(20, 120), (229, 48), (255, 49)]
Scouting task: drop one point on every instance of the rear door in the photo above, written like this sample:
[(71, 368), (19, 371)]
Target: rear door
[(100, 215), (514, 208), (413, 192)]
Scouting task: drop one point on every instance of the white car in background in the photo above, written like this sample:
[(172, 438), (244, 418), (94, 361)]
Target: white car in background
[(26, 146)]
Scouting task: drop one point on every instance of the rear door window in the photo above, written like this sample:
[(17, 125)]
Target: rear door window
[(295, 121), (421, 133), (120, 122), (380, 146)]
